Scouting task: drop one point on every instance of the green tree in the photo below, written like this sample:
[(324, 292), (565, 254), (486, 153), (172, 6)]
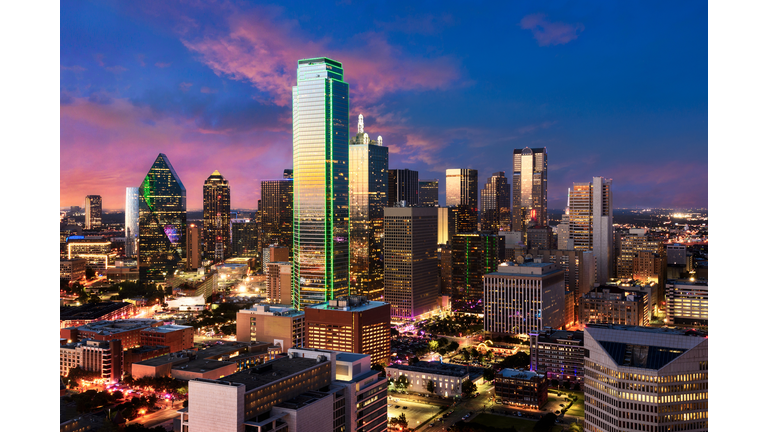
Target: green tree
[(546, 423), (468, 387), (94, 298), (89, 273), (453, 346), (489, 374), (433, 345), (431, 386), (402, 382)]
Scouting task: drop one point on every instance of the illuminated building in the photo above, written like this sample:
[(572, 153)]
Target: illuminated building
[(162, 222), (525, 388), (633, 243), (350, 324), (75, 316), (105, 357), (273, 253), (96, 250), (539, 237), (277, 325), (495, 202), (128, 331), (446, 224), (368, 177), (321, 182), (687, 302), (245, 233), (529, 187), (461, 191), (279, 282), (645, 379), (447, 377), (445, 260), (92, 212), (411, 278), (216, 217), (564, 240), (428, 193), (131, 220), (523, 298), (194, 258), (591, 222), (403, 187), (72, 269), (558, 354), (613, 305), (277, 212), (473, 255)]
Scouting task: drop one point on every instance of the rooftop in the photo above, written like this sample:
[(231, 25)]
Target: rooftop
[(657, 330), (434, 367), (271, 371), (349, 304), (519, 374), (302, 400), (90, 311), (117, 326), (562, 335), (169, 328), (350, 357)]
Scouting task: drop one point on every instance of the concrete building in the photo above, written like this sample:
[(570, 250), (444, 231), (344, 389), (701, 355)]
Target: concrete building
[(522, 298), (75, 316), (645, 379), (522, 388), (128, 331), (411, 279), (632, 243), (72, 269), (558, 354), (93, 212), (283, 326), (687, 302), (274, 253), (194, 239), (540, 237), (350, 324), (591, 223), (279, 282), (613, 305), (677, 254), (446, 377), (96, 250), (175, 337), (105, 357)]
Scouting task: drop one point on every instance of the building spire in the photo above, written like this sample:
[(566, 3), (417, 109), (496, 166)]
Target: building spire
[(360, 126), (380, 141)]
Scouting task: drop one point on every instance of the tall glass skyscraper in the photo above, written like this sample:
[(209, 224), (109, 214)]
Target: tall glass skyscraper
[(162, 222), (368, 168), (529, 187), (461, 191), (277, 211), (131, 220), (320, 182), (591, 223), (93, 212), (495, 203), (216, 202), (428, 193)]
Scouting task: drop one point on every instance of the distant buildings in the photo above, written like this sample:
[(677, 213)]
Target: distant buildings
[(495, 204), (529, 187), (131, 220), (75, 316), (428, 193), (277, 212), (93, 212), (642, 378), (72, 269), (461, 191), (162, 222), (245, 237), (591, 222), (473, 255), (403, 187), (278, 325), (613, 305), (216, 205), (524, 388), (104, 357)]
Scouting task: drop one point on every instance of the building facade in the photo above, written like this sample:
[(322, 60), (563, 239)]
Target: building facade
[(428, 193), (403, 188), (687, 302), (558, 354), (612, 305), (105, 357), (216, 216), (591, 223), (495, 204), (461, 191), (194, 255), (529, 187), (93, 212), (522, 388), (131, 221), (245, 237), (277, 212), (446, 377), (473, 255), (321, 182), (279, 282), (277, 325)]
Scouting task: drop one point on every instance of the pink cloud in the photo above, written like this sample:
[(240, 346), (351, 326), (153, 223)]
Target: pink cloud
[(207, 90), (185, 86), (162, 65), (116, 69), (550, 33)]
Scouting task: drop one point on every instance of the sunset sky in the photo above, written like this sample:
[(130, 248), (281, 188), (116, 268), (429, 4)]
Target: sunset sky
[(612, 89)]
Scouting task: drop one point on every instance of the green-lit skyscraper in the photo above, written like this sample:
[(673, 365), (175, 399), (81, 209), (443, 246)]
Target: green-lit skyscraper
[(162, 222), (320, 182)]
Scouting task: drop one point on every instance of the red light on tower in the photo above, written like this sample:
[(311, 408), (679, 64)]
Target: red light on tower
[(533, 214)]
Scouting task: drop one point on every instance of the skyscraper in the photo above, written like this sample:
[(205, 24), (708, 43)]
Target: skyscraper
[(428, 193), (162, 222), (529, 187), (473, 255), (277, 211), (245, 237), (461, 191), (591, 222), (131, 220), (194, 259), (216, 217), (411, 278), (495, 203), (92, 212), (368, 176), (321, 182), (403, 186)]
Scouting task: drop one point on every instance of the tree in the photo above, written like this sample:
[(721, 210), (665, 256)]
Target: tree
[(489, 374), (402, 382), (94, 298), (401, 421), (567, 385), (378, 367), (433, 345), (576, 387), (453, 346), (546, 423), (431, 386), (413, 360), (89, 273), (468, 387)]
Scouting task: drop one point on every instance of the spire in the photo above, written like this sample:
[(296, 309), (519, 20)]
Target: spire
[(366, 140), (216, 173), (360, 125), (380, 141)]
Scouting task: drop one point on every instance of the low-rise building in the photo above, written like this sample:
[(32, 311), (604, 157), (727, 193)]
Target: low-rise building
[(105, 357), (72, 269), (127, 330), (96, 250), (613, 305), (558, 354), (279, 325), (688, 302), (175, 337), (75, 316), (446, 377), (523, 388)]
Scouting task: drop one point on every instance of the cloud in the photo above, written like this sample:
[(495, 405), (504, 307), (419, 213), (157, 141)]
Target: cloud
[(99, 59), (550, 33), (185, 86), (534, 127), (162, 65), (74, 68), (207, 90), (140, 59)]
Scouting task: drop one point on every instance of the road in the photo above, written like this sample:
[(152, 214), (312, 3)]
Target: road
[(159, 417)]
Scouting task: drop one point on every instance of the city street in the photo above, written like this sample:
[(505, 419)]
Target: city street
[(165, 415)]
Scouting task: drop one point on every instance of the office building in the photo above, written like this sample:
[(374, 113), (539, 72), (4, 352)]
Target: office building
[(351, 324), (245, 233), (93, 212), (162, 222), (522, 298), (278, 325), (495, 204), (128, 331), (72, 269), (104, 357), (96, 250), (368, 185), (274, 253), (522, 388), (175, 337), (411, 279), (76, 316), (687, 302), (194, 256), (428, 193), (634, 242), (613, 305), (645, 379), (277, 212), (529, 188), (558, 354), (446, 224), (216, 216), (677, 255), (131, 220), (473, 255), (321, 182), (403, 188), (540, 237), (461, 191), (446, 377), (279, 282), (445, 259), (591, 222)]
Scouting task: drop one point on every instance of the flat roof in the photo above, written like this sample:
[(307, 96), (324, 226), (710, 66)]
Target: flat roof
[(116, 326), (349, 357), (168, 328), (271, 371), (658, 330), (518, 374), (357, 308), (90, 310), (434, 367), (302, 400), (562, 335)]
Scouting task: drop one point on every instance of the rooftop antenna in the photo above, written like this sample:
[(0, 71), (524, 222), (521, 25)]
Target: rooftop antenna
[(366, 140), (380, 141), (360, 125)]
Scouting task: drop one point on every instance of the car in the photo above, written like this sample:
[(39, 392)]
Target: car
[(397, 406), (519, 414), (562, 405), (405, 407), (431, 424)]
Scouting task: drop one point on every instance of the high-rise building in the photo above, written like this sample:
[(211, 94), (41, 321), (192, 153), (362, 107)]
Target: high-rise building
[(591, 222), (403, 187), (559, 354), (277, 211), (632, 243), (428, 193), (245, 237), (613, 305), (216, 216), (277, 325), (473, 255), (131, 220), (279, 282), (368, 184), (321, 182), (494, 204), (529, 187), (645, 379), (522, 298), (92, 212), (351, 324), (411, 278), (446, 224), (194, 240), (461, 191), (162, 222)]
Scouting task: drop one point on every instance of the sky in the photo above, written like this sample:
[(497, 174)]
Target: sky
[(611, 89)]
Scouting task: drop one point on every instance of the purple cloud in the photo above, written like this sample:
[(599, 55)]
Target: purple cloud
[(550, 33)]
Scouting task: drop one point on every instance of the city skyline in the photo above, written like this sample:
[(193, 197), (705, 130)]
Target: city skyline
[(438, 100)]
